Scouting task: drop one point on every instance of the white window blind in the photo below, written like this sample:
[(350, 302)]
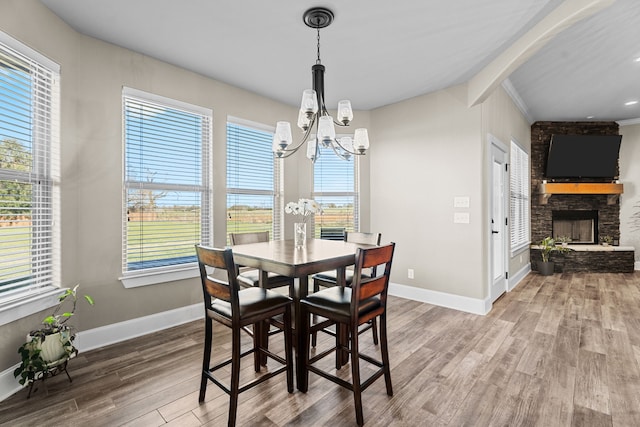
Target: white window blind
[(29, 174), (336, 188), (167, 182), (519, 197), (254, 193)]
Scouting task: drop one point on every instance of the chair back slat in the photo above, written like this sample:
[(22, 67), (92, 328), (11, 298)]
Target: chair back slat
[(362, 238), (364, 288), (213, 287), (332, 233), (246, 238)]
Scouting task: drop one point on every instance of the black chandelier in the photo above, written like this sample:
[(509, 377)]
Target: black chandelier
[(313, 111)]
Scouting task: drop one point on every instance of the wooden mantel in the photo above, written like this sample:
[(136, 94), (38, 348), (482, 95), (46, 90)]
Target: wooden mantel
[(612, 190)]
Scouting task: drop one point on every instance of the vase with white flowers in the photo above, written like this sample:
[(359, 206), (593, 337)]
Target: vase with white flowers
[(305, 208)]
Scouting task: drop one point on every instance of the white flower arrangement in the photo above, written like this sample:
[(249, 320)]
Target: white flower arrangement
[(303, 207)]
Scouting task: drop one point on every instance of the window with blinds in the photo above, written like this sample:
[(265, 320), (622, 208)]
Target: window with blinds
[(336, 188), (29, 174), (167, 182), (254, 193), (519, 198)]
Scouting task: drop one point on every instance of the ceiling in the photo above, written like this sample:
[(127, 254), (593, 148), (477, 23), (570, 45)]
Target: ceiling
[(378, 52)]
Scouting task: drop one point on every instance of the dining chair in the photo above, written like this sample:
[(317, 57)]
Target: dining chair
[(332, 233), (249, 277), (236, 308), (366, 299), (330, 278)]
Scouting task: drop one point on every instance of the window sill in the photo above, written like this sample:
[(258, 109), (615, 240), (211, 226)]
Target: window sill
[(28, 305), (161, 275)]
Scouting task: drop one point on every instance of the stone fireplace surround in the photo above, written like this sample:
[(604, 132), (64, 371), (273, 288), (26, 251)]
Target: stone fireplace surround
[(584, 258)]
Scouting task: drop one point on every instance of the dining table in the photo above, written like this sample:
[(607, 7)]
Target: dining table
[(285, 258)]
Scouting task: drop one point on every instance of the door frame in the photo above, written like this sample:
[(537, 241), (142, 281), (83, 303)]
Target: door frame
[(495, 142)]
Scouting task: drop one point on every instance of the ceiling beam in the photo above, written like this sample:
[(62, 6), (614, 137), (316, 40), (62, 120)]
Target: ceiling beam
[(568, 13)]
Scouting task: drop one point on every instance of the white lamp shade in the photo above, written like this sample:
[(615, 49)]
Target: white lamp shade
[(345, 113), (312, 145), (347, 143), (326, 130), (303, 120), (282, 137), (361, 140), (309, 104)]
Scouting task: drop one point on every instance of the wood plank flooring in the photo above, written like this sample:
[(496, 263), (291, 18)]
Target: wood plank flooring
[(557, 351)]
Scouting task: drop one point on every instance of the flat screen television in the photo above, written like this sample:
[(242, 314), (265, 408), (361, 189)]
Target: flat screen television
[(583, 156)]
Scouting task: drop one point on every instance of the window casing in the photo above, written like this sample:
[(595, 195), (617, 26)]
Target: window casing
[(336, 188), (519, 198), (29, 177), (167, 203), (254, 180)]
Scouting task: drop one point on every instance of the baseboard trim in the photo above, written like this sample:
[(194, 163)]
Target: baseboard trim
[(518, 277), (443, 299), (121, 331)]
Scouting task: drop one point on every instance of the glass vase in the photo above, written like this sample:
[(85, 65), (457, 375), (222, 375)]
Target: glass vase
[(300, 234)]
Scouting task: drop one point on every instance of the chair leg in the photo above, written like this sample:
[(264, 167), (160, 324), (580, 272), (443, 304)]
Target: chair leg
[(314, 335), (257, 337), (235, 376), (288, 346), (304, 348), (206, 358), (374, 330), (384, 349), (355, 375)]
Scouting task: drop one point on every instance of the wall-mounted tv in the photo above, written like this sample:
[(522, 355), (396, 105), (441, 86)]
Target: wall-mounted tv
[(583, 156)]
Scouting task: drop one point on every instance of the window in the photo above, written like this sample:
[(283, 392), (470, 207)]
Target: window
[(335, 187), (29, 177), (254, 194), (167, 185), (519, 196)]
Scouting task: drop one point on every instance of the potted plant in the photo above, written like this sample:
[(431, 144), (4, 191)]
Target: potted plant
[(548, 245), (606, 240), (47, 350)]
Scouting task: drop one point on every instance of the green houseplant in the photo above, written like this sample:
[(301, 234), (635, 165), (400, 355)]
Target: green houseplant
[(548, 245), (606, 240), (47, 349)]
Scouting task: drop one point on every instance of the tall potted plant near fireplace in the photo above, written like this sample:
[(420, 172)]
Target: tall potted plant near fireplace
[(548, 245)]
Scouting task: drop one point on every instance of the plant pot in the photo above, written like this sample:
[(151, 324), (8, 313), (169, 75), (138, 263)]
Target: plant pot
[(545, 268), (52, 349)]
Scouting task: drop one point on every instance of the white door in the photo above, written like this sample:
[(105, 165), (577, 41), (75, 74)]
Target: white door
[(498, 227)]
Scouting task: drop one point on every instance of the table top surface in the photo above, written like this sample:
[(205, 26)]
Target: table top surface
[(282, 257)]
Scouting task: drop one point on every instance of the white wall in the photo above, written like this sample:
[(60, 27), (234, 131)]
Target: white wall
[(630, 177), (427, 151)]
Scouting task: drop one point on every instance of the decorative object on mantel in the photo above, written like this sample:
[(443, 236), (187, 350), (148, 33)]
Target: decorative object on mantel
[(564, 240), (548, 245), (48, 349), (606, 240), (313, 111), (306, 208), (548, 189)]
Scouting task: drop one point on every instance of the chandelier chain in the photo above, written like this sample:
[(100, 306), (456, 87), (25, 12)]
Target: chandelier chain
[(318, 60)]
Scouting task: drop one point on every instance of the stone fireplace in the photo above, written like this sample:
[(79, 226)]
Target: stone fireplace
[(582, 216)]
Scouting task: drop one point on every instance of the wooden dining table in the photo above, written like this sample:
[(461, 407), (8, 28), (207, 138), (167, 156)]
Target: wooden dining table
[(283, 257)]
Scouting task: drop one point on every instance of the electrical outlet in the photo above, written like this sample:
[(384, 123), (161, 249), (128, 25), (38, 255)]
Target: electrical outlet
[(461, 217), (410, 273)]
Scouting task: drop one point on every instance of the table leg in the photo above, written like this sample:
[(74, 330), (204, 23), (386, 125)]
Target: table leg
[(302, 338)]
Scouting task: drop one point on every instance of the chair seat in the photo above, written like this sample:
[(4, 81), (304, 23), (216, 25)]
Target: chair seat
[(251, 278), (337, 301), (253, 302)]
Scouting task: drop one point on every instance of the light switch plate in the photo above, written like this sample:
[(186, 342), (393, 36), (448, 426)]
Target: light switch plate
[(461, 217), (461, 202)]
